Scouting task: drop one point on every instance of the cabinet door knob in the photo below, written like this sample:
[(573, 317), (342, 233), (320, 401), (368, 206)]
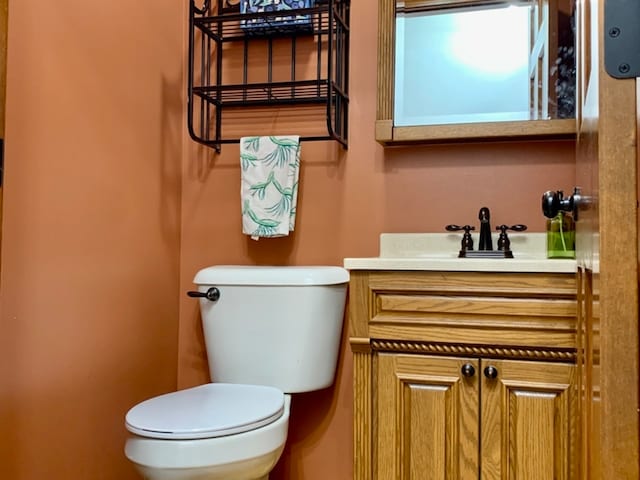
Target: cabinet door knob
[(491, 372), (468, 370)]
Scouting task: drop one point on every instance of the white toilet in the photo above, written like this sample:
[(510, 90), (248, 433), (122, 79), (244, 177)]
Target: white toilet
[(269, 332)]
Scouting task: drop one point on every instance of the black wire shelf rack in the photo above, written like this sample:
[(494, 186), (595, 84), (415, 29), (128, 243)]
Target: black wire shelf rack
[(226, 47)]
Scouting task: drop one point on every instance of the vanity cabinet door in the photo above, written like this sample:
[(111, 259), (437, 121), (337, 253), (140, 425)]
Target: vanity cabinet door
[(528, 421), (450, 418), (427, 414)]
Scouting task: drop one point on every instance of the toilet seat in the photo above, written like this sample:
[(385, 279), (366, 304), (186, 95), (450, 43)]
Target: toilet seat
[(206, 411), (230, 451)]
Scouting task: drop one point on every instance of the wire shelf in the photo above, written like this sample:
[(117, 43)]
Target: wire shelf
[(252, 41)]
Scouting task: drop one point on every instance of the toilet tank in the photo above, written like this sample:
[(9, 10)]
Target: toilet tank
[(278, 326)]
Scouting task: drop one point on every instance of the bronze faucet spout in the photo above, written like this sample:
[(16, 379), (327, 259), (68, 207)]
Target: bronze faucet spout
[(485, 229)]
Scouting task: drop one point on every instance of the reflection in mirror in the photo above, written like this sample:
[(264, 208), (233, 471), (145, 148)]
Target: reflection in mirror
[(457, 62)]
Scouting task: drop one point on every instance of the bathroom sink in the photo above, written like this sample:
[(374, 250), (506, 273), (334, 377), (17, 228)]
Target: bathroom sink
[(439, 251)]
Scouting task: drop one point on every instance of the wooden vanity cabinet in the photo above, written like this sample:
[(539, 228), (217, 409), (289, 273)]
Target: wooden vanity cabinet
[(464, 375)]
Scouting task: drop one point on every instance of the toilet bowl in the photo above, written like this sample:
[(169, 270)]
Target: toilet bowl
[(208, 452), (268, 330)]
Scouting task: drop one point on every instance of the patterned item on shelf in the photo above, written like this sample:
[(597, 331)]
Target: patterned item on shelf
[(270, 23), (270, 167)]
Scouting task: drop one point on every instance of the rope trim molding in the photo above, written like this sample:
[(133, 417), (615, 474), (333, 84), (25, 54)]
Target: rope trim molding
[(473, 350)]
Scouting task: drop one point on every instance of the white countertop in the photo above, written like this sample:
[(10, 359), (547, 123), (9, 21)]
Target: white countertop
[(439, 251)]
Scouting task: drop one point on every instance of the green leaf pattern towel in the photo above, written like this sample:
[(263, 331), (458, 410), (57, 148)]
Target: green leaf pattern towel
[(270, 168)]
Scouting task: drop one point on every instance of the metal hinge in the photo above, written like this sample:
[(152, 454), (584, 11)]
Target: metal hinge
[(622, 38)]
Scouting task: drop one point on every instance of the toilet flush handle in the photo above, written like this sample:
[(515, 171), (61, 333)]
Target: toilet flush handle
[(212, 294)]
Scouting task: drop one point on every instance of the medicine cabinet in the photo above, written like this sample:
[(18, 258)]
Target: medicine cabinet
[(456, 70)]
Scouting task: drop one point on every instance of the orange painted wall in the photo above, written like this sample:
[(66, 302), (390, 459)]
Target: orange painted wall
[(346, 200), (103, 229), (90, 254)]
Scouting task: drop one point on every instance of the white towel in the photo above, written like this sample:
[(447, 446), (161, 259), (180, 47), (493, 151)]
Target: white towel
[(269, 189)]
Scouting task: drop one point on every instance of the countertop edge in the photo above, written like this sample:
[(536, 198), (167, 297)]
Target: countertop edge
[(463, 264)]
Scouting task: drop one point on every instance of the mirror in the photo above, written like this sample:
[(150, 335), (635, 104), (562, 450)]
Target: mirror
[(475, 69)]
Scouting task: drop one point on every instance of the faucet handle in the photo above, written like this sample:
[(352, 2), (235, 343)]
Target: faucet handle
[(504, 243), (467, 240), (457, 228)]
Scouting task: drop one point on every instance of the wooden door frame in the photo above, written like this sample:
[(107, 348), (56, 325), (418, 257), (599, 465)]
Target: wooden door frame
[(4, 17), (4, 14), (618, 197), (616, 269), (618, 285)]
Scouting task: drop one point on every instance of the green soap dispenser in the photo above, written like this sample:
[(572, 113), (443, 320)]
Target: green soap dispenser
[(561, 236)]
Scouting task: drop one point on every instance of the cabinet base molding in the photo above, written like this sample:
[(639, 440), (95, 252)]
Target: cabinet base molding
[(568, 355)]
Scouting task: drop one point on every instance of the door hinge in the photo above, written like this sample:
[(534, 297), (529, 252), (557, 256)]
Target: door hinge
[(622, 38)]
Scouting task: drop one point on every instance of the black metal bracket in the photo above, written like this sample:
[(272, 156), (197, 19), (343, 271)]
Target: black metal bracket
[(622, 38)]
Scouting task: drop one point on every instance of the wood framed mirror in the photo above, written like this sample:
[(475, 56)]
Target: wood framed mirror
[(422, 97)]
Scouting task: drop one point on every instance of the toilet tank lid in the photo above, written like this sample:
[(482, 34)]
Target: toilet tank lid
[(262, 275)]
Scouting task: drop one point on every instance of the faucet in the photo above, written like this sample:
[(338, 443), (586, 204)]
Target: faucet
[(485, 229)]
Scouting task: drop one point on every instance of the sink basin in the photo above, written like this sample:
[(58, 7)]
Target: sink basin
[(439, 251)]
